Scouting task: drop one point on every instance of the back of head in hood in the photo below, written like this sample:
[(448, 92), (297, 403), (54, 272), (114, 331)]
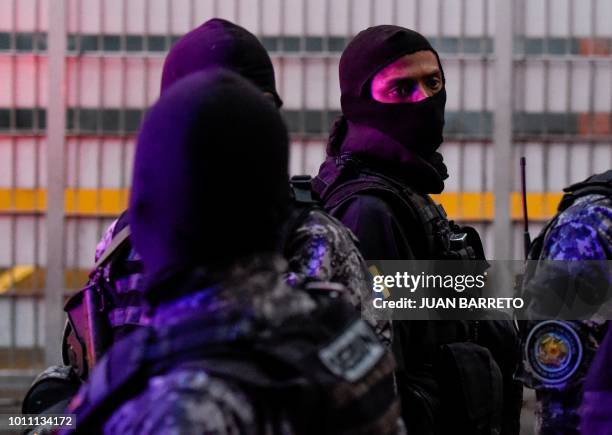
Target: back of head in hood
[(210, 176), (220, 43)]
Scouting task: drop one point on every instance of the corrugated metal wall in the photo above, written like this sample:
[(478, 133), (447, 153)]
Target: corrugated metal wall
[(114, 54), (23, 97)]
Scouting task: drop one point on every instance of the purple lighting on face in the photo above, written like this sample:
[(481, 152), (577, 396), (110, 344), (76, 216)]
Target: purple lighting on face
[(417, 95)]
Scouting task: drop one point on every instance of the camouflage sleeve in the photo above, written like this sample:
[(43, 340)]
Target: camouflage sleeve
[(323, 249), (185, 402), (106, 239), (577, 241), (583, 232)]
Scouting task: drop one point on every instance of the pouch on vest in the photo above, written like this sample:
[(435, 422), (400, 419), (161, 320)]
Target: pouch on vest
[(471, 388)]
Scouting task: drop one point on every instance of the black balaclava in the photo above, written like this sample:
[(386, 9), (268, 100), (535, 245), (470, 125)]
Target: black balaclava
[(404, 133), (220, 43), (210, 177)]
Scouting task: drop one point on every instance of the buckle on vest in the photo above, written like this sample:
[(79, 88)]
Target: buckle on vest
[(301, 185), (458, 241)]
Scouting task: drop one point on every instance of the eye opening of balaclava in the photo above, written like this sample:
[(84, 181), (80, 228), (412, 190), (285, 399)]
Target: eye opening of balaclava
[(222, 44), (417, 126), (366, 89)]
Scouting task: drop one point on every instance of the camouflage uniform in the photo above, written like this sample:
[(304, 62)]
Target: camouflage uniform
[(323, 249), (583, 231), (186, 399), (292, 360), (320, 249)]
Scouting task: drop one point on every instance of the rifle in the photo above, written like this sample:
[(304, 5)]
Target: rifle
[(88, 334)]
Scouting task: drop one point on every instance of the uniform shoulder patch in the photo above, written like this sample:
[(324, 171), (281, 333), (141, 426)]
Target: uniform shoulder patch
[(353, 353)]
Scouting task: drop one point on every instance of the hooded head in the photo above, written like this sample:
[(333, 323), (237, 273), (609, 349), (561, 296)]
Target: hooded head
[(397, 136), (219, 43), (210, 176), (416, 126)]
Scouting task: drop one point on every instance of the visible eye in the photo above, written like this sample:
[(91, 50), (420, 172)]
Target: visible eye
[(433, 83), (402, 91)]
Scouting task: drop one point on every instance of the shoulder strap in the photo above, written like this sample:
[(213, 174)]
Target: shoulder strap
[(120, 235), (600, 184), (414, 207), (303, 203), (365, 184), (119, 240)]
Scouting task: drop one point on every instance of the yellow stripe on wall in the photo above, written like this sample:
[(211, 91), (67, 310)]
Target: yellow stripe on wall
[(480, 206), (28, 279), (464, 206), (14, 276), (91, 202)]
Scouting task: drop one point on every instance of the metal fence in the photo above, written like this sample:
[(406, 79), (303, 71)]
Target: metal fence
[(523, 77)]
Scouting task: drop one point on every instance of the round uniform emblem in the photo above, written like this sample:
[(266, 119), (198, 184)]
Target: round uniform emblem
[(554, 351)]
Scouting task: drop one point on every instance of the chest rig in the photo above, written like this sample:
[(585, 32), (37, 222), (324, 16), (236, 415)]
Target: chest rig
[(433, 235)]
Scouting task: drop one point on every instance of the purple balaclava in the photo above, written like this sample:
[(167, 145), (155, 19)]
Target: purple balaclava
[(220, 43), (210, 177)]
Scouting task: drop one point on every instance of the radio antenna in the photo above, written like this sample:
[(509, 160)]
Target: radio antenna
[(526, 236)]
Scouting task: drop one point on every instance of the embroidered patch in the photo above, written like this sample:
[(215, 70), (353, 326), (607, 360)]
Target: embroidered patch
[(554, 351), (352, 354)]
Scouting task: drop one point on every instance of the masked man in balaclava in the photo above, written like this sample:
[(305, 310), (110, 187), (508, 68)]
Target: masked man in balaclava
[(382, 163), (319, 249), (231, 347)]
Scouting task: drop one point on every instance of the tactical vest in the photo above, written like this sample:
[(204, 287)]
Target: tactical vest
[(581, 338), (468, 374), (325, 370), (112, 303), (434, 238)]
